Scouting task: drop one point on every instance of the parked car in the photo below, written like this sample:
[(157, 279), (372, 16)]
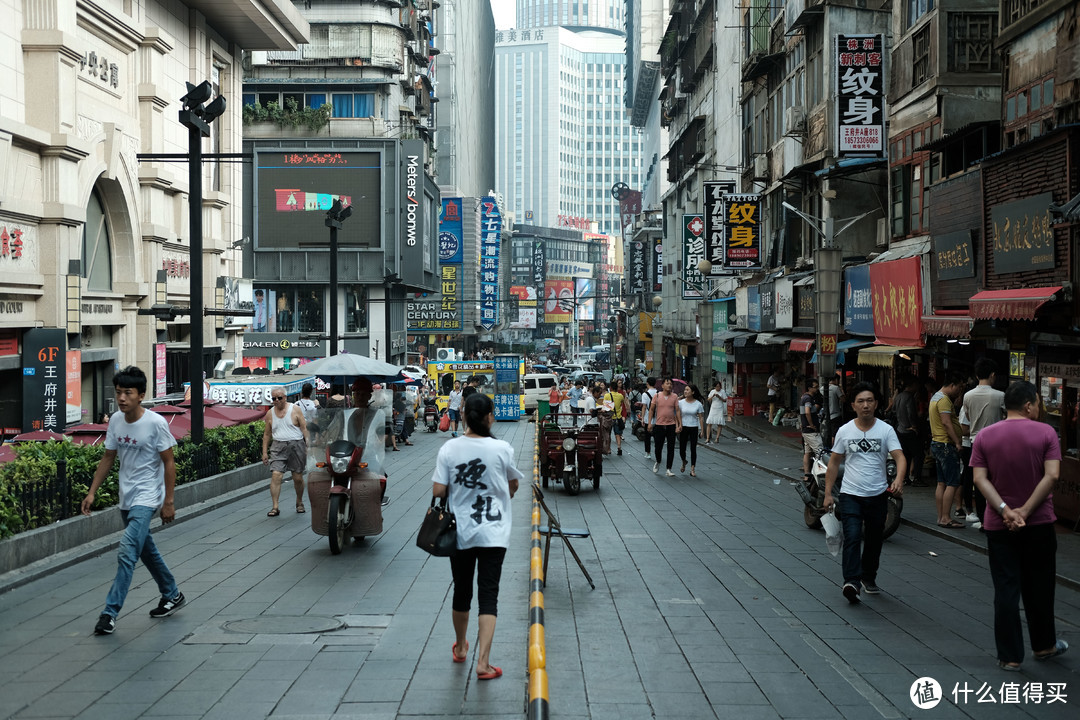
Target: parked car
[(414, 372), (587, 376), (536, 386)]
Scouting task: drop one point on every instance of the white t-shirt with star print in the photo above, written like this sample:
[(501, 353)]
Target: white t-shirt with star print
[(138, 446)]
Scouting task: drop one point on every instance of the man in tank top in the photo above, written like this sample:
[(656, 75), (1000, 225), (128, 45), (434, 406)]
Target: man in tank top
[(285, 424)]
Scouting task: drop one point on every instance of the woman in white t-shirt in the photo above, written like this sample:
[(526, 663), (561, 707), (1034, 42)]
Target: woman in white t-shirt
[(477, 476), (692, 413), (717, 412)]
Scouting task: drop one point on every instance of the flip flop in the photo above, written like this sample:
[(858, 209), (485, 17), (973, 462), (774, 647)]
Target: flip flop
[(495, 673), (952, 525), (273, 513), (1059, 648), (300, 508), (457, 658)]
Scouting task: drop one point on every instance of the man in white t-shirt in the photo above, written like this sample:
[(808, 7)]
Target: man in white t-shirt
[(147, 477), (646, 408), (864, 445)]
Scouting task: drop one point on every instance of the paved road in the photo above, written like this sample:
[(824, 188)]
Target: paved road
[(712, 600)]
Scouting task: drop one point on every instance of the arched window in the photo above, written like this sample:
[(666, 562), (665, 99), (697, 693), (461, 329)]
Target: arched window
[(96, 246)]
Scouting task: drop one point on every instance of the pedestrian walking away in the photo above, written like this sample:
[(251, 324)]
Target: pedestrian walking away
[(147, 477), (692, 417), (717, 419), (907, 429), (286, 427), (809, 410), (983, 406), (1016, 464), (665, 424), (477, 476), (647, 397), (863, 446)]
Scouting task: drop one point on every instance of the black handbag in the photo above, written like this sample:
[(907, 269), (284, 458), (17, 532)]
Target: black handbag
[(438, 531)]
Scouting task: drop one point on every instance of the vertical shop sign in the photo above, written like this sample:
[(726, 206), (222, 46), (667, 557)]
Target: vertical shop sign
[(539, 276), (693, 252), (450, 244), (753, 308), (742, 232), (714, 224), (767, 295), (638, 267), (159, 369), (657, 263), (73, 385), (860, 95), (719, 327), (896, 287), (507, 404), (44, 385), (785, 303), (858, 301), (490, 240)]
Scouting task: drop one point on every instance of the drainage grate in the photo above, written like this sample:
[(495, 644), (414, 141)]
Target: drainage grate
[(285, 624)]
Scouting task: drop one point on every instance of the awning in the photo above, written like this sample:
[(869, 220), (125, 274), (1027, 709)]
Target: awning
[(849, 344), (908, 249), (952, 326), (774, 339), (882, 355), (801, 345), (731, 335), (1019, 304)]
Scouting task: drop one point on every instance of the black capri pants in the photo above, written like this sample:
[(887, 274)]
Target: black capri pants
[(488, 563), (688, 435)]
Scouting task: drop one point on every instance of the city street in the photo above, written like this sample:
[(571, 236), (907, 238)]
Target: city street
[(713, 600)]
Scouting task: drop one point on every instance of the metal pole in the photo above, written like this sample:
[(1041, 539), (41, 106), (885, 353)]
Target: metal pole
[(196, 290), (386, 303), (333, 305)]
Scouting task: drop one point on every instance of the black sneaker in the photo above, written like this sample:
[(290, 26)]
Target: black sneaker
[(851, 592), (105, 625), (870, 588), (166, 608)]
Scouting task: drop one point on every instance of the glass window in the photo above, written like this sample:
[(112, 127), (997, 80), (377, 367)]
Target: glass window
[(1010, 109), (356, 308), (1048, 92), (316, 100), (343, 105), (1021, 105), (249, 98), (1036, 97), (96, 246), (364, 105)]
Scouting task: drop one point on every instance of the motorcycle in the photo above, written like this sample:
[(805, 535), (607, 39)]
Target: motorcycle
[(812, 492), (348, 485), (570, 451), (431, 414)]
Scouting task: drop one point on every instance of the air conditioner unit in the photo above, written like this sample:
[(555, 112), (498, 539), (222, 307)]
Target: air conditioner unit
[(761, 167), (883, 232), (445, 354), (795, 120)]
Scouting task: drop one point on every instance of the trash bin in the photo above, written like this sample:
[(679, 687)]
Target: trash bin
[(543, 407)]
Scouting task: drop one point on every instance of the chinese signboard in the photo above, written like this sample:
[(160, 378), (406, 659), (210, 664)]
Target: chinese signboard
[(828, 344), (896, 287), (44, 383), (742, 217), (719, 327), (767, 294), (953, 253), (490, 240), (160, 372), (804, 306), (450, 233), (714, 223), (629, 208), (860, 95), (507, 387), (441, 314), (526, 302), (73, 376), (693, 252), (658, 264), (785, 303), (858, 302), (638, 267), (293, 191), (539, 276), (753, 308), (272, 344), (569, 269), (1023, 235)]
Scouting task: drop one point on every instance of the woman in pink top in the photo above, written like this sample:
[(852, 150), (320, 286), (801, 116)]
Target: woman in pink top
[(665, 424)]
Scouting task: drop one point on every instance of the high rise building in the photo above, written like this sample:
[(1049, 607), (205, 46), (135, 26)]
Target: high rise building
[(563, 135)]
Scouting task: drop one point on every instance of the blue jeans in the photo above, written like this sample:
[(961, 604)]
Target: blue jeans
[(863, 519), (137, 544), (947, 460)]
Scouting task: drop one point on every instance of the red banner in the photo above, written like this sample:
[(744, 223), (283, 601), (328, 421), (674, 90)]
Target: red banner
[(896, 287)]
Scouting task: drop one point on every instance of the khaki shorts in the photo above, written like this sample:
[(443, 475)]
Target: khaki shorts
[(811, 442), (288, 456)]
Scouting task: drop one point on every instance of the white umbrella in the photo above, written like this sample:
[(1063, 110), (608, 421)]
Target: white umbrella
[(349, 366)]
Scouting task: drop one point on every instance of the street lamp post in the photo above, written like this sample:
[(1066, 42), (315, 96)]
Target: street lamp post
[(196, 116), (335, 216)]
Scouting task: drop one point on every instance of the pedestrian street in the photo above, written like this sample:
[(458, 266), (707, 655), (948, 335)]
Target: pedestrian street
[(712, 600)]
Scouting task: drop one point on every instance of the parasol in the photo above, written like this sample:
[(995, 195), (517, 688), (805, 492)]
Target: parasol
[(349, 366)]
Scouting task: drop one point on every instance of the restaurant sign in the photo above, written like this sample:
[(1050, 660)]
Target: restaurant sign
[(1023, 235)]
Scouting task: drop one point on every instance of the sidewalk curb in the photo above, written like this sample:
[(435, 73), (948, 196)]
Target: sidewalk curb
[(251, 477), (1071, 583)]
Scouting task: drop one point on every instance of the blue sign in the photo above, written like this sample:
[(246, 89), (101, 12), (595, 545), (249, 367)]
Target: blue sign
[(506, 368), (753, 308), (858, 301), (490, 241), (450, 233), (507, 407)]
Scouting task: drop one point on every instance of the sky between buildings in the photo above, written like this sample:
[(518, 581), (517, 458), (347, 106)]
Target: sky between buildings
[(504, 13)]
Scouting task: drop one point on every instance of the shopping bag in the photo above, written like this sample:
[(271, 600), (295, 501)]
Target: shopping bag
[(834, 532), (444, 422)]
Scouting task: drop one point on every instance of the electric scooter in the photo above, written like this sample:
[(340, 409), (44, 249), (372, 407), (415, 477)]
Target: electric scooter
[(431, 414)]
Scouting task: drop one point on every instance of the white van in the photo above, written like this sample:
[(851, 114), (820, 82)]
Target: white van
[(536, 386)]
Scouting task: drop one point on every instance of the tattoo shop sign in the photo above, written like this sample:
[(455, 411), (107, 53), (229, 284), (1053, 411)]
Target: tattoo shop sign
[(860, 95)]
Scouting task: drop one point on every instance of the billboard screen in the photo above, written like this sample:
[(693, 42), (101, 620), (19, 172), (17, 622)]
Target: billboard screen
[(294, 189)]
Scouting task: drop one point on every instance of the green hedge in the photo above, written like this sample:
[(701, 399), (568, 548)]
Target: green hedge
[(30, 497)]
